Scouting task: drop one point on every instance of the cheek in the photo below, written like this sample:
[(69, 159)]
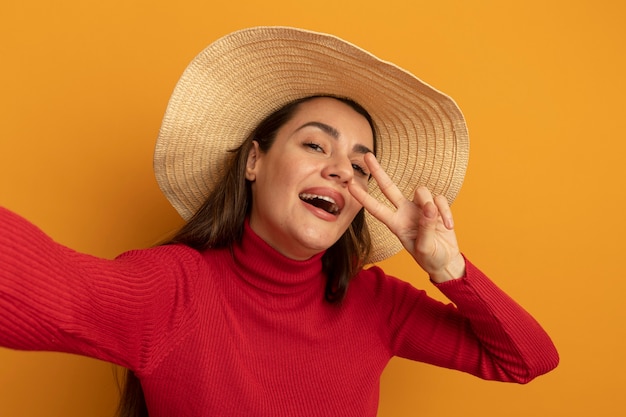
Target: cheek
[(362, 184), (294, 171), (282, 177), (273, 170), (353, 207)]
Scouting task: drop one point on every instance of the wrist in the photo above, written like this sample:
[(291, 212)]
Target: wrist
[(454, 270)]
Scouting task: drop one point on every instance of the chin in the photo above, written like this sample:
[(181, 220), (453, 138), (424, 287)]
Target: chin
[(318, 237), (321, 246)]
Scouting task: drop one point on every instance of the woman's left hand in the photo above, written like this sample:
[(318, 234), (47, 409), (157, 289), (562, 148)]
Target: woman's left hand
[(424, 226)]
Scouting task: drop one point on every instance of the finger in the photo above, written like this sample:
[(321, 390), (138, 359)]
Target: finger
[(372, 205), (427, 229), (444, 210), (430, 210), (424, 200), (422, 196), (386, 185)]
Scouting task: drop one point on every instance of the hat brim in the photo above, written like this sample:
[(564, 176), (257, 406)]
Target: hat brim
[(240, 79)]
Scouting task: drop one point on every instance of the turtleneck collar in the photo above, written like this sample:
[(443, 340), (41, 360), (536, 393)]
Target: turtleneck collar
[(265, 268)]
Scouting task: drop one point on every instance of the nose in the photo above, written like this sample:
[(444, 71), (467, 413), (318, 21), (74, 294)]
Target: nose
[(339, 168)]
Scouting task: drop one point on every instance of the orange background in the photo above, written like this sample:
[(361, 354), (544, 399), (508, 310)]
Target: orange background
[(85, 84)]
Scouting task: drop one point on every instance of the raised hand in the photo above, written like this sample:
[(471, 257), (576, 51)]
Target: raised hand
[(424, 226)]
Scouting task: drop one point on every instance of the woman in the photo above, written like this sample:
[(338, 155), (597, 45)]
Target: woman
[(261, 304)]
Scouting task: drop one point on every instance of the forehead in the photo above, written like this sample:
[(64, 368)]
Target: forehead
[(344, 119)]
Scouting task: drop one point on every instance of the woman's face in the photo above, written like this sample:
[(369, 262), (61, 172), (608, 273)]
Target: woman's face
[(300, 199)]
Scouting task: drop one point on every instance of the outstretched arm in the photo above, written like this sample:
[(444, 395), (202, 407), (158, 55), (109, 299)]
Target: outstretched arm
[(53, 298)]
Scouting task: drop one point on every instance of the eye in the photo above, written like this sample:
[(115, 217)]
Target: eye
[(358, 168), (316, 147)]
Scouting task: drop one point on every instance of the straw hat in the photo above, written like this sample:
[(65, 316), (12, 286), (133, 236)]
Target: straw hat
[(243, 77)]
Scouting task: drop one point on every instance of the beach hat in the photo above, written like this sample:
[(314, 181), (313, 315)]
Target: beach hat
[(246, 75)]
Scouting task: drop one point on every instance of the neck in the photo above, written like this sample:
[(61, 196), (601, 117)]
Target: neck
[(265, 268)]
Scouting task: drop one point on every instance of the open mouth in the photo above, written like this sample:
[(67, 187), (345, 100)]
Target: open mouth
[(320, 201)]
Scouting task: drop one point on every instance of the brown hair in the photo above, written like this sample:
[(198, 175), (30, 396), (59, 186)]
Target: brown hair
[(219, 223)]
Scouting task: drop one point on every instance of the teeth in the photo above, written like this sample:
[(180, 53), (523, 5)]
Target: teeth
[(320, 197), (332, 207)]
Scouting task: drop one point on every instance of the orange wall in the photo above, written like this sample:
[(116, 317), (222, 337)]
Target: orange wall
[(84, 86)]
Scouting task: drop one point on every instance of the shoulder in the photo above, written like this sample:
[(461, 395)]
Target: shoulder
[(176, 259), (163, 253), (375, 286)]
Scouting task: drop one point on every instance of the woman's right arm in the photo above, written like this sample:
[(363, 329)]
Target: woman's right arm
[(56, 299)]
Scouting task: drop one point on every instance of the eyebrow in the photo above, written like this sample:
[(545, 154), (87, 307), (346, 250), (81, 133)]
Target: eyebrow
[(334, 133)]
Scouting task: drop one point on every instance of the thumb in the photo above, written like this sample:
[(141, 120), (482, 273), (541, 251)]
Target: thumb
[(427, 227), (430, 214)]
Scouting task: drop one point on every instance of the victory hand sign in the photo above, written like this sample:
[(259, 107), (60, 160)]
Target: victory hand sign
[(424, 226)]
